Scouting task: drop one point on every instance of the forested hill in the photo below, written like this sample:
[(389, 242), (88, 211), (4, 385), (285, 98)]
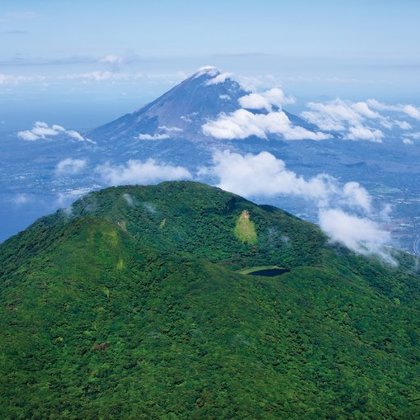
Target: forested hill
[(182, 300)]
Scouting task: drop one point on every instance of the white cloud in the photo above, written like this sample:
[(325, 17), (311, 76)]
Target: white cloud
[(408, 109), (404, 125), (145, 136), (220, 78), (365, 133), (362, 108), (348, 118), (206, 70), (128, 199), (170, 129), (408, 141), (265, 100), (67, 197), (333, 115), (241, 124), (351, 118), (111, 59), (359, 234), (163, 133), (415, 136), (254, 84), (28, 135), (354, 195), (14, 79), (70, 166), (412, 111), (97, 76), (42, 130), (380, 106), (75, 135), (137, 172), (262, 175), (265, 175)]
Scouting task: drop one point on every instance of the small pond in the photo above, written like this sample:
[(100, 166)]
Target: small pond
[(269, 272)]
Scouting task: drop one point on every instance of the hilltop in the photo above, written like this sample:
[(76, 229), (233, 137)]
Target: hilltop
[(139, 302)]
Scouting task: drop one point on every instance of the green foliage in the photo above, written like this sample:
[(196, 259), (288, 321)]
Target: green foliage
[(113, 313)]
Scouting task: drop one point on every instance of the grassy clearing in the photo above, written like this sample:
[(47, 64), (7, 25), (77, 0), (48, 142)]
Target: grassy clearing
[(245, 229)]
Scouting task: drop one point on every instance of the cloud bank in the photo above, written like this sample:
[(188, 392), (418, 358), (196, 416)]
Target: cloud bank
[(408, 109), (242, 123), (260, 114), (138, 172), (266, 100), (42, 130), (359, 120), (220, 78), (15, 79), (266, 176), (348, 118), (268, 120), (360, 234)]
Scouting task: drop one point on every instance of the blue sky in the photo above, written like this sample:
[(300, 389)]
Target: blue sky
[(81, 63)]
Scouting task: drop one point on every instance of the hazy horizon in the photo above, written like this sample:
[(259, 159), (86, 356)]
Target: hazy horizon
[(102, 61)]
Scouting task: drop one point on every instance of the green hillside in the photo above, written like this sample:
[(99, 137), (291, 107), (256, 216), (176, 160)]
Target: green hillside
[(136, 305)]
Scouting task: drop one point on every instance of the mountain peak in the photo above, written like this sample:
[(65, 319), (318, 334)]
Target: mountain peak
[(183, 111), (180, 112), (211, 71)]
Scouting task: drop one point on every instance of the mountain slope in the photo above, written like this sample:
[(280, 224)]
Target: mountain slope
[(134, 305), (182, 111)]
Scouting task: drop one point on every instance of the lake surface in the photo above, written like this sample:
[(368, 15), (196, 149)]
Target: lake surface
[(269, 272)]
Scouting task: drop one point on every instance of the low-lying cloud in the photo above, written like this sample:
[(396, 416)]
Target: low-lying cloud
[(408, 109), (268, 119), (138, 172), (265, 175), (359, 120), (70, 166), (163, 133), (42, 130), (66, 198), (146, 136), (266, 100), (220, 78), (360, 234), (242, 124), (348, 118), (16, 79)]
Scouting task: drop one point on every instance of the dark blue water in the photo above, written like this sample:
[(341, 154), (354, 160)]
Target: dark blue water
[(269, 272)]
